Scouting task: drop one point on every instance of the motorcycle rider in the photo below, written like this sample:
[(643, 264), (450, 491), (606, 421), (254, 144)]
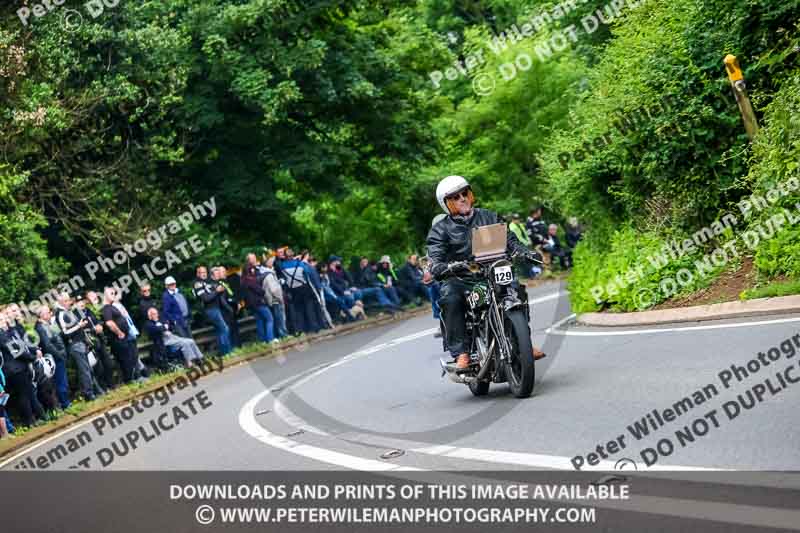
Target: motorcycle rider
[(449, 241)]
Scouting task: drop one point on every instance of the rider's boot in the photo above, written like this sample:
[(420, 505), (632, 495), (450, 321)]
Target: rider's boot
[(462, 362), (538, 354)]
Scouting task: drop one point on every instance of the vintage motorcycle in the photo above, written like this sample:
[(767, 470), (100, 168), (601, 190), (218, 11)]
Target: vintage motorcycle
[(497, 328)]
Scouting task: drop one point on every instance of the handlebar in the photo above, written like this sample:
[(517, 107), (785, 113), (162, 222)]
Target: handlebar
[(456, 266), (531, 256)]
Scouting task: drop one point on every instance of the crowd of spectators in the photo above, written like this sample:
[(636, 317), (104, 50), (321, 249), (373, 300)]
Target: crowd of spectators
[(88, 344), (537, 234)]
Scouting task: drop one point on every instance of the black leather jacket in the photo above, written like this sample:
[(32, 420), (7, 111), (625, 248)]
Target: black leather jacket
[(450, 239)]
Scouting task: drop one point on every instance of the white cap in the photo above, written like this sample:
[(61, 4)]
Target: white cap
[(386, 259), (169, 281)]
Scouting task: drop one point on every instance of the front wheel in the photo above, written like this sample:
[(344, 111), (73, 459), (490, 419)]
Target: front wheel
[(521, 372)]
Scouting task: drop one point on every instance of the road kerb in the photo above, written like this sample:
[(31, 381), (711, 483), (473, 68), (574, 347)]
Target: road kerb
[(782, 305)]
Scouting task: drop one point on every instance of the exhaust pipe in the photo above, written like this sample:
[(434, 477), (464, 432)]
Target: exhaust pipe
[(450, 370)]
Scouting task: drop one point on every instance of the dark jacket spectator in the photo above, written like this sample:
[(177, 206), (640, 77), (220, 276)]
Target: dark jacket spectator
[(175, 311), (155, 332), (252, 291), (51, 341), (146, 301), (410, 279), (339, 278), (368, 277), (536, 227)]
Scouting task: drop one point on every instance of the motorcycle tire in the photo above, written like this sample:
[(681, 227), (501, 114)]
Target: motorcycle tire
[(520, 370), (479, 388)]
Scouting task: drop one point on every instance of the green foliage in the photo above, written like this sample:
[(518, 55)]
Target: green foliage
[(315, 123), (776, 156), (772, 290), (606, 262), (27, 269)]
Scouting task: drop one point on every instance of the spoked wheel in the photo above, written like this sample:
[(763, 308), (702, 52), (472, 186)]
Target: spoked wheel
[(521, 372), (479, 388)]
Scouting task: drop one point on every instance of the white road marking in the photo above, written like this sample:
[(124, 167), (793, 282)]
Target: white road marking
[(249, 424), (607, 332), (547, 298), (558, 324)]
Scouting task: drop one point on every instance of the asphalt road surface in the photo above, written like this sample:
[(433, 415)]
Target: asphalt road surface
[(344, 404)]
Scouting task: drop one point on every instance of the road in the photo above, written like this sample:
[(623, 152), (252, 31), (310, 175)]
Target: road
[(342, 404)]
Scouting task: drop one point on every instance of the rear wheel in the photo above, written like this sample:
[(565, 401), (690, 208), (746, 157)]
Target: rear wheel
[(521, 373), (479, 388)]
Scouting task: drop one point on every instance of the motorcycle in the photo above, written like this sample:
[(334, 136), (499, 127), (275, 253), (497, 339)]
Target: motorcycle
[(497, 329)]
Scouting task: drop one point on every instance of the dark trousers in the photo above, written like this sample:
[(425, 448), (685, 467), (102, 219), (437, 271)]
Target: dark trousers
[(106, 373), (78, 351), (453, 305), (434, 293), (564, 255), (62, 385), (126, 358), (20, 386), (233, 327), (46, 394), (304, 309), (416, 290)]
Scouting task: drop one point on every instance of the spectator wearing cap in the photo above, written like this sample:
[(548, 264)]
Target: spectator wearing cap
[(175, 309), (339, 280), (518, 228), (73, 326), (369, 285), (384, 271), (536, 227), (341, 283)]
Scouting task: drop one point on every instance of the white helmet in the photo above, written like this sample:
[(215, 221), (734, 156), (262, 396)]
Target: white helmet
[(448, 186)]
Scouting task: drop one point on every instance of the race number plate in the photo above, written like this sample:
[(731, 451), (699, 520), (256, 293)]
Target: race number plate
[(503, 275)]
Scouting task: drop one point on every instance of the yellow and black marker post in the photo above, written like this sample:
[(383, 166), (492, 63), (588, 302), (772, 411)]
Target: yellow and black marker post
[(740, 92)]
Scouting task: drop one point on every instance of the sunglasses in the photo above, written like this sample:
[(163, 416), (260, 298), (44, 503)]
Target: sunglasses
[(463, 193)]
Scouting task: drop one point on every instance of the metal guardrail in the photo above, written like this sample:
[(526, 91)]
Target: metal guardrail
[(204, 337)]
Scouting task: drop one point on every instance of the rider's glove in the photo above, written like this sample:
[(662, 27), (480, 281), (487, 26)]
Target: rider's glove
[(534, 257), (457, 266)]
